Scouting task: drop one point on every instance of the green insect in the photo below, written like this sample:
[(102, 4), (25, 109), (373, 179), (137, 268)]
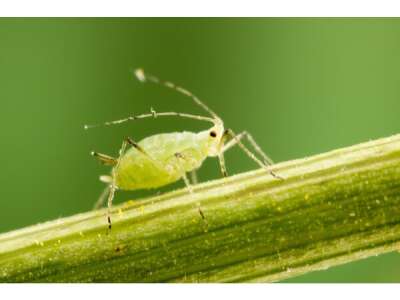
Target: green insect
[(165, 158)]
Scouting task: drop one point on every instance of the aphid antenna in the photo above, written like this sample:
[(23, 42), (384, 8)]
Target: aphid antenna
[(143, 77), (154, 114)]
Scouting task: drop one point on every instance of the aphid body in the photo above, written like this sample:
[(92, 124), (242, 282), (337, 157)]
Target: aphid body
[(165, 158), (162, 164)]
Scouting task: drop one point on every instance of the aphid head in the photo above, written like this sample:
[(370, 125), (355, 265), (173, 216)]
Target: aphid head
[(215, 137), (217, 131)]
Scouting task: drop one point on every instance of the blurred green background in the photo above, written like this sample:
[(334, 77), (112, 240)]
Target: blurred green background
[(300, 86)]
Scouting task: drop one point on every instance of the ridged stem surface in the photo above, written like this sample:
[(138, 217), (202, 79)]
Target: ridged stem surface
[(330, 209)]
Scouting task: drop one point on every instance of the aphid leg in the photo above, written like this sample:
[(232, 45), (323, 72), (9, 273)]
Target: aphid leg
[(267, 160), (102, 198), (141, 150), (222, 165), (193, 177), (180, 157), (187, 183), (113, 186), (236, 140)]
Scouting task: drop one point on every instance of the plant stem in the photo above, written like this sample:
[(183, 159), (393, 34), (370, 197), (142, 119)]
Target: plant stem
[(330, 209)]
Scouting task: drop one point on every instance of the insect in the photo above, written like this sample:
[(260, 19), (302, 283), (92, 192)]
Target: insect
[(161, 159)]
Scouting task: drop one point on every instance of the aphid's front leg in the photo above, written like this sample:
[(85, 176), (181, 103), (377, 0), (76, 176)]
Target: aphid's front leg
[(181, 157), (236, 140), (221, 159)]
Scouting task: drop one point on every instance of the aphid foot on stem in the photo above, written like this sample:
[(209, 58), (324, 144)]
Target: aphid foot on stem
[(273, 174), (203, 218)]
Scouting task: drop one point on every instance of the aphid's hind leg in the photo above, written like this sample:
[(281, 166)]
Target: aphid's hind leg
[(180, 157), (112, 186), (236, 140), (102, 198)]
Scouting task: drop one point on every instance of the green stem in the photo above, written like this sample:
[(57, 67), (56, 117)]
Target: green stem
[(330, 209)]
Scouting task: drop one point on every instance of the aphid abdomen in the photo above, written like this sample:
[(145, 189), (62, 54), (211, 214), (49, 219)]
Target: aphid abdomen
[(138, 172), (159, 165)]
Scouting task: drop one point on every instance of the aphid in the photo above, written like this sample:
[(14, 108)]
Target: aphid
[(165, 158)]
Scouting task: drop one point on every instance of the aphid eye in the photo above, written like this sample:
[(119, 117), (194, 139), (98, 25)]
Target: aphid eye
[(213, 134)]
